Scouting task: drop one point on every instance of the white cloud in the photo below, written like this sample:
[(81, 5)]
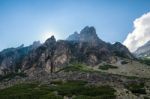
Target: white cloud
[(141, 33)]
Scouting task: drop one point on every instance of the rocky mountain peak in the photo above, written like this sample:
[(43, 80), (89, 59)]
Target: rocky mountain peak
[(53, 55), (88, 34), (122, 51), (88, 31), (76, 33), (35, 44), (74, 37), (118, 44), (143, 51), (50, 40), (21, 46), (148, 43)]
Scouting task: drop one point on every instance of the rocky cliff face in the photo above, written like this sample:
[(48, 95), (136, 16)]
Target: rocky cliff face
[(48, 56), (121, 51), (88, 35), (74, 37), (11, 58), (143, 51), (51, 56)]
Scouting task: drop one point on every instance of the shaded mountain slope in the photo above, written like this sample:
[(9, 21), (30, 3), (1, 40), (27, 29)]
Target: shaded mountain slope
[(143, 51)]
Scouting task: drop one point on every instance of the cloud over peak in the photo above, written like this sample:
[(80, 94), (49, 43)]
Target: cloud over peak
[(141, 33)]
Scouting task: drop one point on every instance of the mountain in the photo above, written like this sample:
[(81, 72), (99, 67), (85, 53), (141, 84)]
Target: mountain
[(11, 58), (74, 37), (143, 51), (51, 56), (87, 34), (81, 67)]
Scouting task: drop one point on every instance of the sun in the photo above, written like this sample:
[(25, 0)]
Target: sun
[(46, 35)]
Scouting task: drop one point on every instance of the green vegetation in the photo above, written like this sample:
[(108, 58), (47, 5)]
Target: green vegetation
[(96, 97), (27, 91), (57, 82), (107, 66), (145, 97), (76, 67), (132, 77), (145, 61), (136, 88), (71, 88), (58, 89), (12, 75)]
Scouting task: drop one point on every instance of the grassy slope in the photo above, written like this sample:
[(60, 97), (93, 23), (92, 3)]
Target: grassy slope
[(57, 90)]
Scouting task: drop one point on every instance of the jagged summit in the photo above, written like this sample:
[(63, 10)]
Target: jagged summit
[(88, 31), (53, 55), (74, 37), (87, 34), (148, 43), (122, 50), (50, 40), (35, 44), (143, 51)]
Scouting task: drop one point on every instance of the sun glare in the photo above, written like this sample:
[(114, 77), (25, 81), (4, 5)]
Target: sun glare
[(46, 35)]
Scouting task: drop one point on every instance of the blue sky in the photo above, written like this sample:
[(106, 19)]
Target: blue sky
[(25, 21)]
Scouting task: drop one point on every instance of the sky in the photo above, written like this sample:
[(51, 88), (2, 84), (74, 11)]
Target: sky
[(26, 21), (140, 34)]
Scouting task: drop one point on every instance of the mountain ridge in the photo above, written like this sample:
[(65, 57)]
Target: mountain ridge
[(143, 51), (54, 55)]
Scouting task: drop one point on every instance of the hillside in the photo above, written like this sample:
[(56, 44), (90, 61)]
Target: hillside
[(81, 67), (143, 51)]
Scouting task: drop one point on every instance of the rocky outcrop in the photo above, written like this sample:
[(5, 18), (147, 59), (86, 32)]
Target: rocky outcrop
[(87, 34), (143, 51), (122, 51), (53, 55), (11, 58), (74, 37)]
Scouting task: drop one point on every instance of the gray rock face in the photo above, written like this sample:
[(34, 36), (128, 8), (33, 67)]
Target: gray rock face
[(87, 34), (85, 47), (35, 45), (74, 37), (11, 58), (122, 51), (51, 56), (143, 51)]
